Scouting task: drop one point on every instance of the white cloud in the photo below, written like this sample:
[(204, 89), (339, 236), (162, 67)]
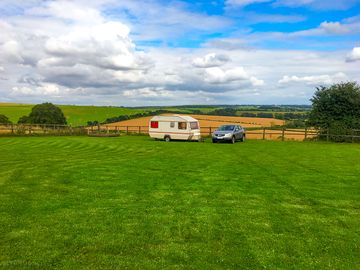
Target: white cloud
[(354, 55), (312, 4), (68, 10), (12, 51), (211, 60), (216, 75), (318, 4), (46, 89), (148, 93), (334, 28), (105, 45), (242, 3), (315, 80)]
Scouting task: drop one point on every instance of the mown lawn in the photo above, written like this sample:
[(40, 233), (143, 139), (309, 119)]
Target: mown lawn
[(134, 203)]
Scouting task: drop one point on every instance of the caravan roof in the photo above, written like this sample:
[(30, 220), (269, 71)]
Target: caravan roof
[(175, 117)]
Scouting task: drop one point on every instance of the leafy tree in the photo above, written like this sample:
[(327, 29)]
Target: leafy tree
[(337, 105), (4, 119), (336, 109), (47, 113), (24, 120)]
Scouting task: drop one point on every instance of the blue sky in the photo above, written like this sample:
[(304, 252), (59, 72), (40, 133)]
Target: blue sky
[(156, 52)]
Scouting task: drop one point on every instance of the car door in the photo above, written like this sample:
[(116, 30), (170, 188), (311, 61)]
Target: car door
[(237, 132)]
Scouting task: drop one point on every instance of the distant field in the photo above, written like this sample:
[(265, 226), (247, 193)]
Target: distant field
[(75, 115), (135, 203), (211, 121)]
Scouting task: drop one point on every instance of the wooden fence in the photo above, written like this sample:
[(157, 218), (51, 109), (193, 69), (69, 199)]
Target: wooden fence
[(40, 129), (266, 133)]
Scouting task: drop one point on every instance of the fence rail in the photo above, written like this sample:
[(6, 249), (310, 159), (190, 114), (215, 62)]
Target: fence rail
[(265, 133)]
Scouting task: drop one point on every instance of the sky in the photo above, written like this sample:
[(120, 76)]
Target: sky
[(157, 52)]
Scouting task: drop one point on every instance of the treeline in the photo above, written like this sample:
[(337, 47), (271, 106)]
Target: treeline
[(128, 117), (281, 116)]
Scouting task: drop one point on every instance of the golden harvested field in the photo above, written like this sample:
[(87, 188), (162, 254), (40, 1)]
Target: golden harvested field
[(210, 121)]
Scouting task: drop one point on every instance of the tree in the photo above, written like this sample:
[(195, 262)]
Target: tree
[(4, 119), (24, 120), (46, 113), (336, 108)]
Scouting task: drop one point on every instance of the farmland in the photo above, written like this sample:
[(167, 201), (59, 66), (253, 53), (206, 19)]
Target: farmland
[(75, 115), (211, 121), (80, 115), (131, 202)]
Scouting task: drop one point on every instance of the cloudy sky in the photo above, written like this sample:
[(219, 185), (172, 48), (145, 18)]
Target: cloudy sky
[(164, 52)]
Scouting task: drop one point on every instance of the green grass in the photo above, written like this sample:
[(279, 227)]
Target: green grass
[(75, 115), (135, 203)]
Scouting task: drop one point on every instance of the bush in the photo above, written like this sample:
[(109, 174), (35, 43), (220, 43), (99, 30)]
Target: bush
[(4, 119)]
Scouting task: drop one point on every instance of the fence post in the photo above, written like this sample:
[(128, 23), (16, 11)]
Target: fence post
[(127, 130), (139, 129), (116, 129), (352, 136), (264, 133), (210, 131), (305, 134), (12, 128), (283, 134), (328, 135)]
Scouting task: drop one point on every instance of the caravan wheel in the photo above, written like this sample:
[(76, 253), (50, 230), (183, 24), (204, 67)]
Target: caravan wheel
[(167, 138)]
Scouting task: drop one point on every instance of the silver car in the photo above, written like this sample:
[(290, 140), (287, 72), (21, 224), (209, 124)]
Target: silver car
[(229, 133)]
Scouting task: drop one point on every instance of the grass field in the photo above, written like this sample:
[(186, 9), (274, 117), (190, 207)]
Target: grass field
[(134, 203), (75, 115)]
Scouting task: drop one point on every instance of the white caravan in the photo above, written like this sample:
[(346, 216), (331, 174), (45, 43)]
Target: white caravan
[(174, 127)]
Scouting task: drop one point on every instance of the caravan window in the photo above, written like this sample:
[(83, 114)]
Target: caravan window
[(154, 124), (182, 125), (172, 124), (194, 125)]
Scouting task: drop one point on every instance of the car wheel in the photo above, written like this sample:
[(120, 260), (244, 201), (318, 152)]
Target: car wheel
[(233, 140), (167, 139), (242, 138), (214, 141)]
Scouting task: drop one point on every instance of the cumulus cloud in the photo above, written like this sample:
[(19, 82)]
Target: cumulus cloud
[(148, 92), (216, 75), (45, 89), (354, 55), (315, 80), (334, 28), (105, 45), (211, 60)]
